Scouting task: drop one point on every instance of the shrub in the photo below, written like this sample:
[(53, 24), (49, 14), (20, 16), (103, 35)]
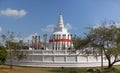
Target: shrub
[(3, 55)]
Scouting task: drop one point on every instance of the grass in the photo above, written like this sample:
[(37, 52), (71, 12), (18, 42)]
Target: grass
[(18, 69), (116, 69)]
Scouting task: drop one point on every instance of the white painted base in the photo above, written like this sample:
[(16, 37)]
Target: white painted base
[(62, 58)]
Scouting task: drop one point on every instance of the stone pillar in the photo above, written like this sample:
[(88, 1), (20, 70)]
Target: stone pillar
[(38, 42), (28, 43), (32, 42)]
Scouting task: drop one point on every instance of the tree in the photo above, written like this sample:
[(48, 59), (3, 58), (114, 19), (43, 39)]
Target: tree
[(14, 47), (106, 41), (76, 41), (80, 43), (7, 39), (3, 55)]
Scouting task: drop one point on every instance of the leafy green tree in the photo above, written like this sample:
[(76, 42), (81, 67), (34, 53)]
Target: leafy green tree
[(13, 46), (81, 44), (76, 41), (8, 38), (3, 55), (106, 41)]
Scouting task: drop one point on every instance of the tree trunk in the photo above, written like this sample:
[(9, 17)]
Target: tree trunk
[(101, 59), (10, 56), (109, 64)]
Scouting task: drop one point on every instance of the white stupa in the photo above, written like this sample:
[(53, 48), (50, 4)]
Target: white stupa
[(60, 39)]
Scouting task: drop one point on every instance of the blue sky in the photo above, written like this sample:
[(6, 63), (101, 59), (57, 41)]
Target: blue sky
[(30, 17)]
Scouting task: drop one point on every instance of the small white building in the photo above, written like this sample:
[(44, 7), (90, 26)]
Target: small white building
[(60, 39)]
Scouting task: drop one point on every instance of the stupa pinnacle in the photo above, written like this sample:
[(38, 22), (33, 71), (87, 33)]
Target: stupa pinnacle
[(60, 21)]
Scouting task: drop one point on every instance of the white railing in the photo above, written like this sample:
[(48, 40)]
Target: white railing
[(46, 52)]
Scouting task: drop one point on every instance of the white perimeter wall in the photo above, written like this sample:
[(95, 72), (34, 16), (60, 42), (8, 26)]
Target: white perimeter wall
[(52, 58)]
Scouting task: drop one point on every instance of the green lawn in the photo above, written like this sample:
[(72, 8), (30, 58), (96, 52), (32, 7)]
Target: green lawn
[(84, 70), (17, 69)]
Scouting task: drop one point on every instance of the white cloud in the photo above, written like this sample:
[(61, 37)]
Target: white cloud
[(13, 12), (17, 39), (96, 26), (48, 28), (69, 26), (117, 25), (0, 29), (29, 37)]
